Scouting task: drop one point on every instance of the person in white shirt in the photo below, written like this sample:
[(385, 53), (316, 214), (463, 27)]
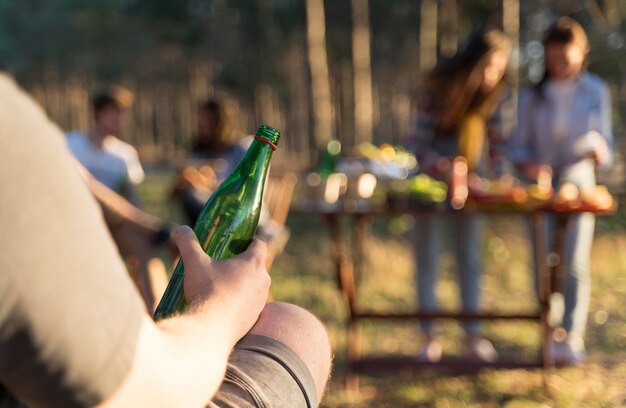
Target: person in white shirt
[(564, 130), (110, 160), (112, 172)]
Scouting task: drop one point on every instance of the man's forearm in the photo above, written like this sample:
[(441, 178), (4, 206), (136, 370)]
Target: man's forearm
[(179, 361), (115, 204)]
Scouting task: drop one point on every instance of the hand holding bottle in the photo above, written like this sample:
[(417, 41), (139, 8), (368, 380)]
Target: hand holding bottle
[(229, 219), (242, 280)]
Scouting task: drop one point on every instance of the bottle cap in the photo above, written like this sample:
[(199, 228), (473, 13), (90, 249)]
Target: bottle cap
[(268, 135)]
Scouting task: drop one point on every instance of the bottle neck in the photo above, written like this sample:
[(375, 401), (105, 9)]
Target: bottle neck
[(256, 159)]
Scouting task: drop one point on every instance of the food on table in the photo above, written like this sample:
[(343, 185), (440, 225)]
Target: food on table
[(420, 189), (598, 198), (567, 192), (508, 194)]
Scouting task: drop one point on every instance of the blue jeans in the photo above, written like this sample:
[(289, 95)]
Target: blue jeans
[(576, 283), (578, 243), (428, 243)]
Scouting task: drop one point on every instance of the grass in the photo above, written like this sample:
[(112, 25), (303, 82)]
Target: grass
[(304, 275)]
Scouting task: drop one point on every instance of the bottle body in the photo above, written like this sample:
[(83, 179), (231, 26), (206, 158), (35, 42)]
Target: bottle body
[(229, 219)]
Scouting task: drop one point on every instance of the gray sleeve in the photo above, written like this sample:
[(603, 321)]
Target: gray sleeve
[(606, 125), (69, 314)]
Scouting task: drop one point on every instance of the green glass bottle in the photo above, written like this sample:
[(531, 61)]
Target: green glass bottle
[(328, 159), (230, 217)]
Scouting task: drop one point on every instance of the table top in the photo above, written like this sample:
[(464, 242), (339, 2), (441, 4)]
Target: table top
[(364, 207)]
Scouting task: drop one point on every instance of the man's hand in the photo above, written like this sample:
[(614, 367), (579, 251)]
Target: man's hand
[(242, 281), (181, 360)]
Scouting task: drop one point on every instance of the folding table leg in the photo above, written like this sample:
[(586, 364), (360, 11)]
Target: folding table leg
[(559, 243), (542, 274), (345, 281), (343, 262), (354, 354)]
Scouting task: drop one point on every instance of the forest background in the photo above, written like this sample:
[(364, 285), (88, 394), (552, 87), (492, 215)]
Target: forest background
[(317, 70)]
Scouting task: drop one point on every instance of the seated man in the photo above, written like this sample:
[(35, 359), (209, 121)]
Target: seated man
[(112, 161), (218, 146), (73, 330), (113, 168)]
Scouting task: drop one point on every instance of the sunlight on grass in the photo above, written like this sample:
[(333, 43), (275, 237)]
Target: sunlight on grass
[(305, 275)]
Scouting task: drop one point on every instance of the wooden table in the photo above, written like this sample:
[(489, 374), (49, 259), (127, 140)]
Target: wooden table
[(549, 277)]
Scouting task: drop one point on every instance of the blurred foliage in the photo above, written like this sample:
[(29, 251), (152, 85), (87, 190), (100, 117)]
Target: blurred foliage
[(114, 37), (245, 43)]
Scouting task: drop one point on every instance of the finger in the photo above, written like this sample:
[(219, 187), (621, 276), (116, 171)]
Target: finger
[(258, 246), (188, 245), (257, 250)]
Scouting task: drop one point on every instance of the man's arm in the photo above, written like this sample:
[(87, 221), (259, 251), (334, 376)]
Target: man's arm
[(117, 206), (134, 175), (73, 331), (181, 361)]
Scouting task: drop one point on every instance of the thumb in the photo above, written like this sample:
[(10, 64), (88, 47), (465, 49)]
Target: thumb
[(188, 245)]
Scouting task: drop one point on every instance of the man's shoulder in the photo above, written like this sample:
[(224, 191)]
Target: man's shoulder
[(117, 143), (119, 147)]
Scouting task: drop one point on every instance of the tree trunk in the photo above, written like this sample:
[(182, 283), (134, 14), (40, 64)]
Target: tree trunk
[(318, 64), (612, 12), (597, 16), (510, 25), (362, 65), (428, 35), (449, 27)]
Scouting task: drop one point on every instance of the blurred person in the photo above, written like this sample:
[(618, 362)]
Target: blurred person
[(112, 161), (74, 332), (460, 113), (112, 170), (218, 146), (219, 135), (564, 131)]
